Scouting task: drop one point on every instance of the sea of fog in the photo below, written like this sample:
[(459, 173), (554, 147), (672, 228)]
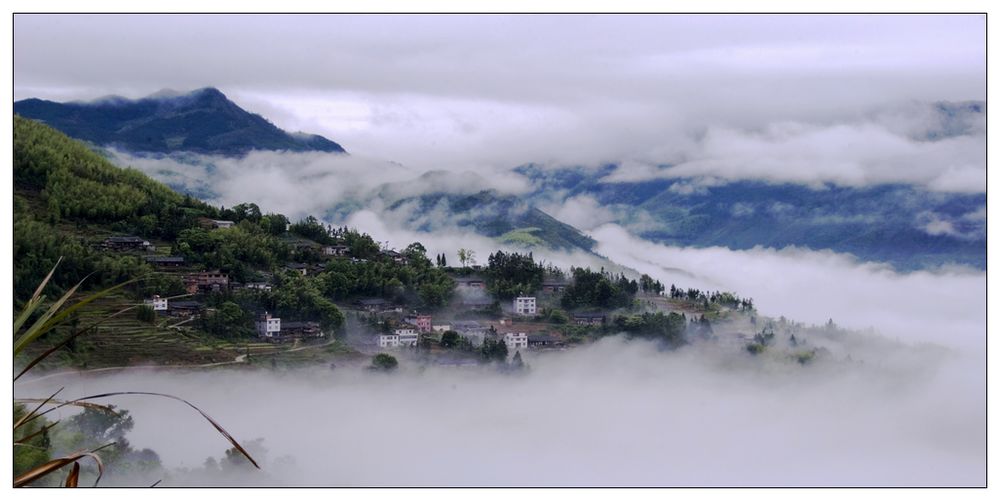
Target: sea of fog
[(614, 413), (899, 402)]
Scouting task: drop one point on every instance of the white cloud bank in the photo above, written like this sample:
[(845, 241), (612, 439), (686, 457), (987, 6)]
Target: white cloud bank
[(611, 414), (797, 98), (846, 154), (872, 412), (303, 184), (945, 306)]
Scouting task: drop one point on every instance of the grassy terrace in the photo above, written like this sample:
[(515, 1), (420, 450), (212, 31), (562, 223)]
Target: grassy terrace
[(126, 341)]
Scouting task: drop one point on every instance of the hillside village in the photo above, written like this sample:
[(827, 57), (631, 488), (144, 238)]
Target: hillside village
[(215, 285), (474, 317)]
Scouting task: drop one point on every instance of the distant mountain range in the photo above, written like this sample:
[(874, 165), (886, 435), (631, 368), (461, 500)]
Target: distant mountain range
[(906, 226), (203, 121)]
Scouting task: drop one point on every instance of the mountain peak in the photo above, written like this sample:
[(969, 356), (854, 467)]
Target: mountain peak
[(209, 93), (199, 121)]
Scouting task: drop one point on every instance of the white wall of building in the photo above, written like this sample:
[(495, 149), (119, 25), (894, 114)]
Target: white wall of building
[(525, 305), (158, 303), (515, 340), (388, 340), (268, 326)]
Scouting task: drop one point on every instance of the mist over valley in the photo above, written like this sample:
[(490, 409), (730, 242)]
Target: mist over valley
[(747, 251)]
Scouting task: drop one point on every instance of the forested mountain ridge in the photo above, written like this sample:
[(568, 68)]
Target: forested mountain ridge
[(203, 121)]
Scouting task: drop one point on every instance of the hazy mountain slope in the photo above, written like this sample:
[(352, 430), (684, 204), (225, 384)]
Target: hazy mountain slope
[(202, 121), (494, 215), (906, 226)]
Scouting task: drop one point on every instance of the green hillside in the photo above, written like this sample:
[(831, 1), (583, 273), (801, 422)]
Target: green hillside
[(68, 200)]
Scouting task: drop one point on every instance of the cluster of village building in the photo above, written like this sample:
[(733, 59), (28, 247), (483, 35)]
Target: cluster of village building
[(471, 290)]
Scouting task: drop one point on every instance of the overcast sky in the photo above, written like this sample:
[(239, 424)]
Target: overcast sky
[(470, 91)]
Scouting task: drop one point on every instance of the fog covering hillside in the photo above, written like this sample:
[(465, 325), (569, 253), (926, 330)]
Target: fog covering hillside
[(917, 205), (830, 167)]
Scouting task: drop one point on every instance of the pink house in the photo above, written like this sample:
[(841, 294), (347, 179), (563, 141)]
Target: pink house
[(423, 323)]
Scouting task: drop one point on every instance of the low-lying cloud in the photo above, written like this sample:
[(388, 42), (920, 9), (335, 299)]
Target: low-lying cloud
[(855, 154), (615, 413), (301, 184), (945, 306), (899, 404)]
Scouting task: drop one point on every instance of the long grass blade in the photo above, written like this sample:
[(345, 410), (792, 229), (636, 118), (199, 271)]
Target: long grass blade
[(29, 309), (74, 475), (24, 440), (46, 469), (93, 297), (59, 317), (208, 418), (29, 416), (36, 299), (48, 277), (43, 470), (66, 341), (38, 328), (63, 403)]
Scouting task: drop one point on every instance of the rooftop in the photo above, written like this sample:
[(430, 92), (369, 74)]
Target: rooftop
[(185, 305), (477, 302), (298, 325), (165, 259)]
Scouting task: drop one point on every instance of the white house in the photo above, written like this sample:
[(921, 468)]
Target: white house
[(515, 340), (268, 326), (264, 286), (525, 305), (441, 327), (219, 223), (407, 336), (336, 250), (388, 340), (158, 303)]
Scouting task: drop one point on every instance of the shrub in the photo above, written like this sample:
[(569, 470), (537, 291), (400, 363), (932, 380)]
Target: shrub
[(384, 362)]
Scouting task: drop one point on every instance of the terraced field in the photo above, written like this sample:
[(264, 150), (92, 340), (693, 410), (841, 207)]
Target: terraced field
[(124, 340)]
